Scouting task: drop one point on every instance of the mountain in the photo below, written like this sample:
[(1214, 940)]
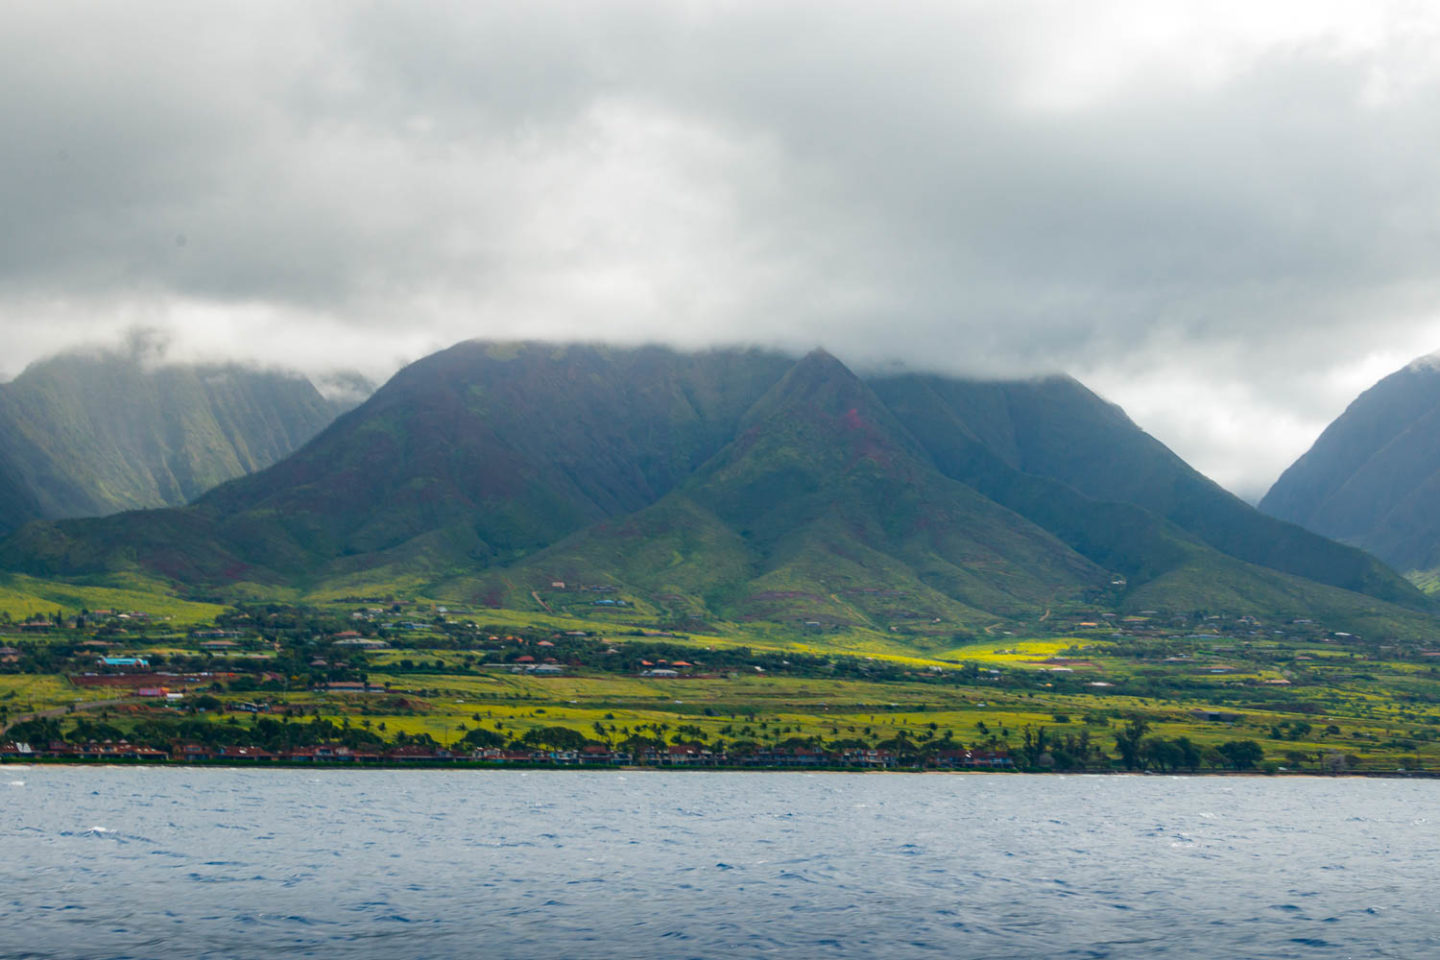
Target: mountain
[(1373, 476), (733, 485), (18, 504), (1007, 438), (93, 434), (824, 508), (467, 458)]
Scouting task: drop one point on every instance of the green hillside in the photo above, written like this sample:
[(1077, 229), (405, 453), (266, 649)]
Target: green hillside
[(1373, 476), (468, 458), (824, 510), (93, 434), (1056, 453), (657, 488)]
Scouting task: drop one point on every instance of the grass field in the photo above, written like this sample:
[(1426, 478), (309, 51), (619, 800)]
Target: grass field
[(22, 596)]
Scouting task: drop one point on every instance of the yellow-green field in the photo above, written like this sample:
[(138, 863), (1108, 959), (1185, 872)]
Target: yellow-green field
[(22, 596)]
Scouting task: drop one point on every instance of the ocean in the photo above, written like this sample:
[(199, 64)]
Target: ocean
[(172, 862)]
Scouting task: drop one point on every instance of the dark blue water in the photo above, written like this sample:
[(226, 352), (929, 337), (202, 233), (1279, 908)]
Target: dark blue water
[(224, 863)]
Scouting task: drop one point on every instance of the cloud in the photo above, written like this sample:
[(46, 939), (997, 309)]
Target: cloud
[(1222, 216)]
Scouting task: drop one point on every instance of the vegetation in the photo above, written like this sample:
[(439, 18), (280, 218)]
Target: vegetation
[(1184, 694), (92, 434), (1370, 479), (733, 488), (731, 556)]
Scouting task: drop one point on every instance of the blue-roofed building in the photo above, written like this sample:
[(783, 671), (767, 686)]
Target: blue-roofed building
[(125, 662)]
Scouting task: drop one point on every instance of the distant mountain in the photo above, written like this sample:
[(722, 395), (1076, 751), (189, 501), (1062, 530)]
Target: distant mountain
[(737, 485), (93, 434), (1373, 476)]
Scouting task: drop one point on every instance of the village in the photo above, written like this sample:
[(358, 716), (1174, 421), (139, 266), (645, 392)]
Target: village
[(386, 681), (672, 755)]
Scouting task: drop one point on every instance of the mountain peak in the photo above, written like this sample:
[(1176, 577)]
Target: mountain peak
[(823, 401), (1430, 363), (816, 383), (821, 364)]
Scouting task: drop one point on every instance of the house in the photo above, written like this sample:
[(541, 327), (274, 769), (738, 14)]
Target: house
[(413, 752), (988, 758), (660, 673), (868, 758), (496, 755), (788, 757), (684, 754), (351, 686), (134, 662), (596, 753)]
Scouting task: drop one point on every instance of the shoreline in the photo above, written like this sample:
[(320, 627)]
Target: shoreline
[(606, 768)]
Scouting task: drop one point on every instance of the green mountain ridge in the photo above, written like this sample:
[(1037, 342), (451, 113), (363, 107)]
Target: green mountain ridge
[(94, 434), (825, 509), (1372, 478), (1057, 430), (736, 485)]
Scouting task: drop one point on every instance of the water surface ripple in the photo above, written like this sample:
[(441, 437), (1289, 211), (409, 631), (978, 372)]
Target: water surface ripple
[(118, 862)]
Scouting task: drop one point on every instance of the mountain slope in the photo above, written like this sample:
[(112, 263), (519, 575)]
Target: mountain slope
[(734, 485), (18, 505), (86, 435), (1372, 478), (1055, 429), (472, 456), (825, 508)]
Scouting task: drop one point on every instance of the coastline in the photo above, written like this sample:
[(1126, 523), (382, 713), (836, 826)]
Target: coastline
[(465, 765)]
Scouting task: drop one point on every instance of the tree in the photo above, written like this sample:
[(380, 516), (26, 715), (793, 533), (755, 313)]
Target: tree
[(1334, 762), (1241, 754), (556, 738), (40, 730), (1128, 740), (481, 738), (1034, 745), (1162, 754), (1189, 753)]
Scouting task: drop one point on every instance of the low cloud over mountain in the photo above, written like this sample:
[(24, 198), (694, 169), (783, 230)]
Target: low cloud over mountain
[(1216, 214)]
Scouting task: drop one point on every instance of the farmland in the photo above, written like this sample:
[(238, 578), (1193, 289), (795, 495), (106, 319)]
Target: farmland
[(1101, 696)]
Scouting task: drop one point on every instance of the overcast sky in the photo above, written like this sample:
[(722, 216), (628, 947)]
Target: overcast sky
[(1223, 216)]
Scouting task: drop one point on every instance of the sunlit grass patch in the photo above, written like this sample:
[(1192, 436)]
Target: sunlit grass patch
[(21, 596)]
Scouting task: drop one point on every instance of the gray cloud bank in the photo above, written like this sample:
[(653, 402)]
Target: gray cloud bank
[(1225, 219)]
